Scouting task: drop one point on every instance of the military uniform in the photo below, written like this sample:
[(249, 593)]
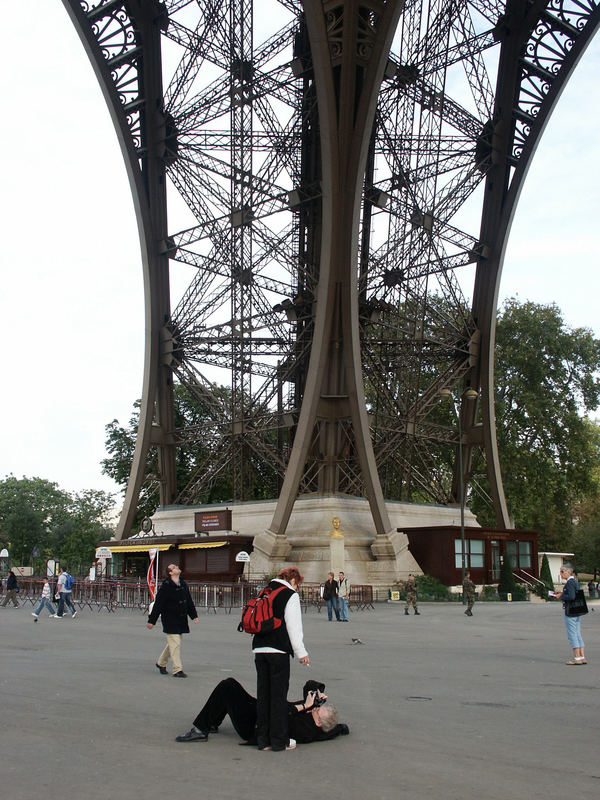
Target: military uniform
[(411, 596), (469, 595)]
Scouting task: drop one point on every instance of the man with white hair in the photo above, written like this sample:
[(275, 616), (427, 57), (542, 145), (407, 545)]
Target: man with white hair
[(311, 719)]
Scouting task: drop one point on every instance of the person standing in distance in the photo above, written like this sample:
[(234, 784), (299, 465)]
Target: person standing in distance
[(411, 594), (272, 661), (572, 624), (343, 595), (174, 605), (330, 591), (469, 593)]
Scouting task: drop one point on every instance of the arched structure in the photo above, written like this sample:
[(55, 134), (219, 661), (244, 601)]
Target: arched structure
[(349, 170)]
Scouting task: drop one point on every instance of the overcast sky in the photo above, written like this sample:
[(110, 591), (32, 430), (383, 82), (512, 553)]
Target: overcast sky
[(71, 302)]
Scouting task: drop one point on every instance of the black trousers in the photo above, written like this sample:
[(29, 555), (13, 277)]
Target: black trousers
[(272, 683), (229, 697)]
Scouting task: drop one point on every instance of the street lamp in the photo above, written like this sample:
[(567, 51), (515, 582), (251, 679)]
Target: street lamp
[(468, 394)]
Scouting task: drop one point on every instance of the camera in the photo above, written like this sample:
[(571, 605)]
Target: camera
[(319, 701)]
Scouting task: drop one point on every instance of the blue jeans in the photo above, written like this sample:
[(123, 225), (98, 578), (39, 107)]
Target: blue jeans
[(44, 602), (573, 626), (343, 601), (332, 605), (65, 599)]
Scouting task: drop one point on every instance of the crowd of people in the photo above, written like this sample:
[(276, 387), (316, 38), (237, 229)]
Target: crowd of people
[(269, 721), (61, 595)]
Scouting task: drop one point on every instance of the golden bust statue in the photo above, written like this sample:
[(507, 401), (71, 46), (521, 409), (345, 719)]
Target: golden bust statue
[(336, 533)]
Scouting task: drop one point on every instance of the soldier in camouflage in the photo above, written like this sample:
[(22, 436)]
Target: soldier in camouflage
[(469, 594), (411, 594)]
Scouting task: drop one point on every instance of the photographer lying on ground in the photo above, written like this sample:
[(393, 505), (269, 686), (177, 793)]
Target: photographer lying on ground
[(309, 720)]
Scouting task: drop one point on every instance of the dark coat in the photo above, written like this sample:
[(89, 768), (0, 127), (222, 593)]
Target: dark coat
[(330, 590), (11, 581), (174, 605)]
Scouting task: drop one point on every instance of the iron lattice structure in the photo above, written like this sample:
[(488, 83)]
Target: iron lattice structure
[(340, 177)]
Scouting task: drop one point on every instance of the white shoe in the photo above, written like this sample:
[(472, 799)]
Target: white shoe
[(55, 616), (33, 614), (73, 615), (291, 745)]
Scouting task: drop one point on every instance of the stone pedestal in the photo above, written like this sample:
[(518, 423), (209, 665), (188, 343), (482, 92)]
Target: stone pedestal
[(336, 550), (308, 543)]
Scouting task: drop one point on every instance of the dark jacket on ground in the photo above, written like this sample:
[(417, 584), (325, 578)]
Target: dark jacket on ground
[(174, 605), (301, 724)]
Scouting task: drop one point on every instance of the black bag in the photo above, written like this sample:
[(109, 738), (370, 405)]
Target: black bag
[(576, 607)]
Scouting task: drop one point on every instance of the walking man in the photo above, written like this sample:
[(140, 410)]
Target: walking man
[(64, 588), (174, 605)]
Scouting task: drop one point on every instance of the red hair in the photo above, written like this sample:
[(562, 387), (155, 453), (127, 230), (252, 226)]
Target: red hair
[(291, 572)]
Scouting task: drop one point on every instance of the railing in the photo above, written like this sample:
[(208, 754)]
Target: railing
[(533, 578), (113, 594)]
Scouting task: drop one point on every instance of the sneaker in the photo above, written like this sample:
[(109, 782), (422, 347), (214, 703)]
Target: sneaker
[(73, 615), (291, 745), (162, 670), (55, 616), (33, 614), (180, 674)]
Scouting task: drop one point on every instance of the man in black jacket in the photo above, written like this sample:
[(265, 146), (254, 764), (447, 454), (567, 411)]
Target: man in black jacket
[(174, 605), (311, 719)]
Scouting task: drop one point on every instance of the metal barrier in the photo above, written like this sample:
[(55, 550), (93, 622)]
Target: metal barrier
[(112, 595)]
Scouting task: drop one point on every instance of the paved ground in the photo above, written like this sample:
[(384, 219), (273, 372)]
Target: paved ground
[(439, 706)]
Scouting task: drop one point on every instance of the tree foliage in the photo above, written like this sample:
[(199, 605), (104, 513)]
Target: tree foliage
[(546, 381), (39, 521), (586, 531), (195, 415), (546, 388), (507, 583)]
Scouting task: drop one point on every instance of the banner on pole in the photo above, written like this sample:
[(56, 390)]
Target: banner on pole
[(152, 576)]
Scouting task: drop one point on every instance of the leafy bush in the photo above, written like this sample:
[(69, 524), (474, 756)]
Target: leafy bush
[(519, 592), (489, 593), (428, 586)]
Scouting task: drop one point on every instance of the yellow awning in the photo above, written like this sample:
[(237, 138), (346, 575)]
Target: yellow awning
[(194, 545), (137, 548)]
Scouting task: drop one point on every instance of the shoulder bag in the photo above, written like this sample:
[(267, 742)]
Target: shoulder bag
[(576, 607)]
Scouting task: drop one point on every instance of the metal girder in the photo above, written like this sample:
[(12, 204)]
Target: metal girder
[(340, 163)]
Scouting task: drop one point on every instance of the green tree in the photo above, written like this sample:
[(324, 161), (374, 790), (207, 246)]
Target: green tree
[(586, 532), (507, 583), (545, 383), (545, 574), (195, 420), (35, 513)]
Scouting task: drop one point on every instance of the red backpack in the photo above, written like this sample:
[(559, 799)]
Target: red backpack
[(258, 616)]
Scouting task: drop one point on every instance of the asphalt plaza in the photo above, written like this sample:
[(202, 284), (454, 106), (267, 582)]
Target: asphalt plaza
[(439, 706)]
